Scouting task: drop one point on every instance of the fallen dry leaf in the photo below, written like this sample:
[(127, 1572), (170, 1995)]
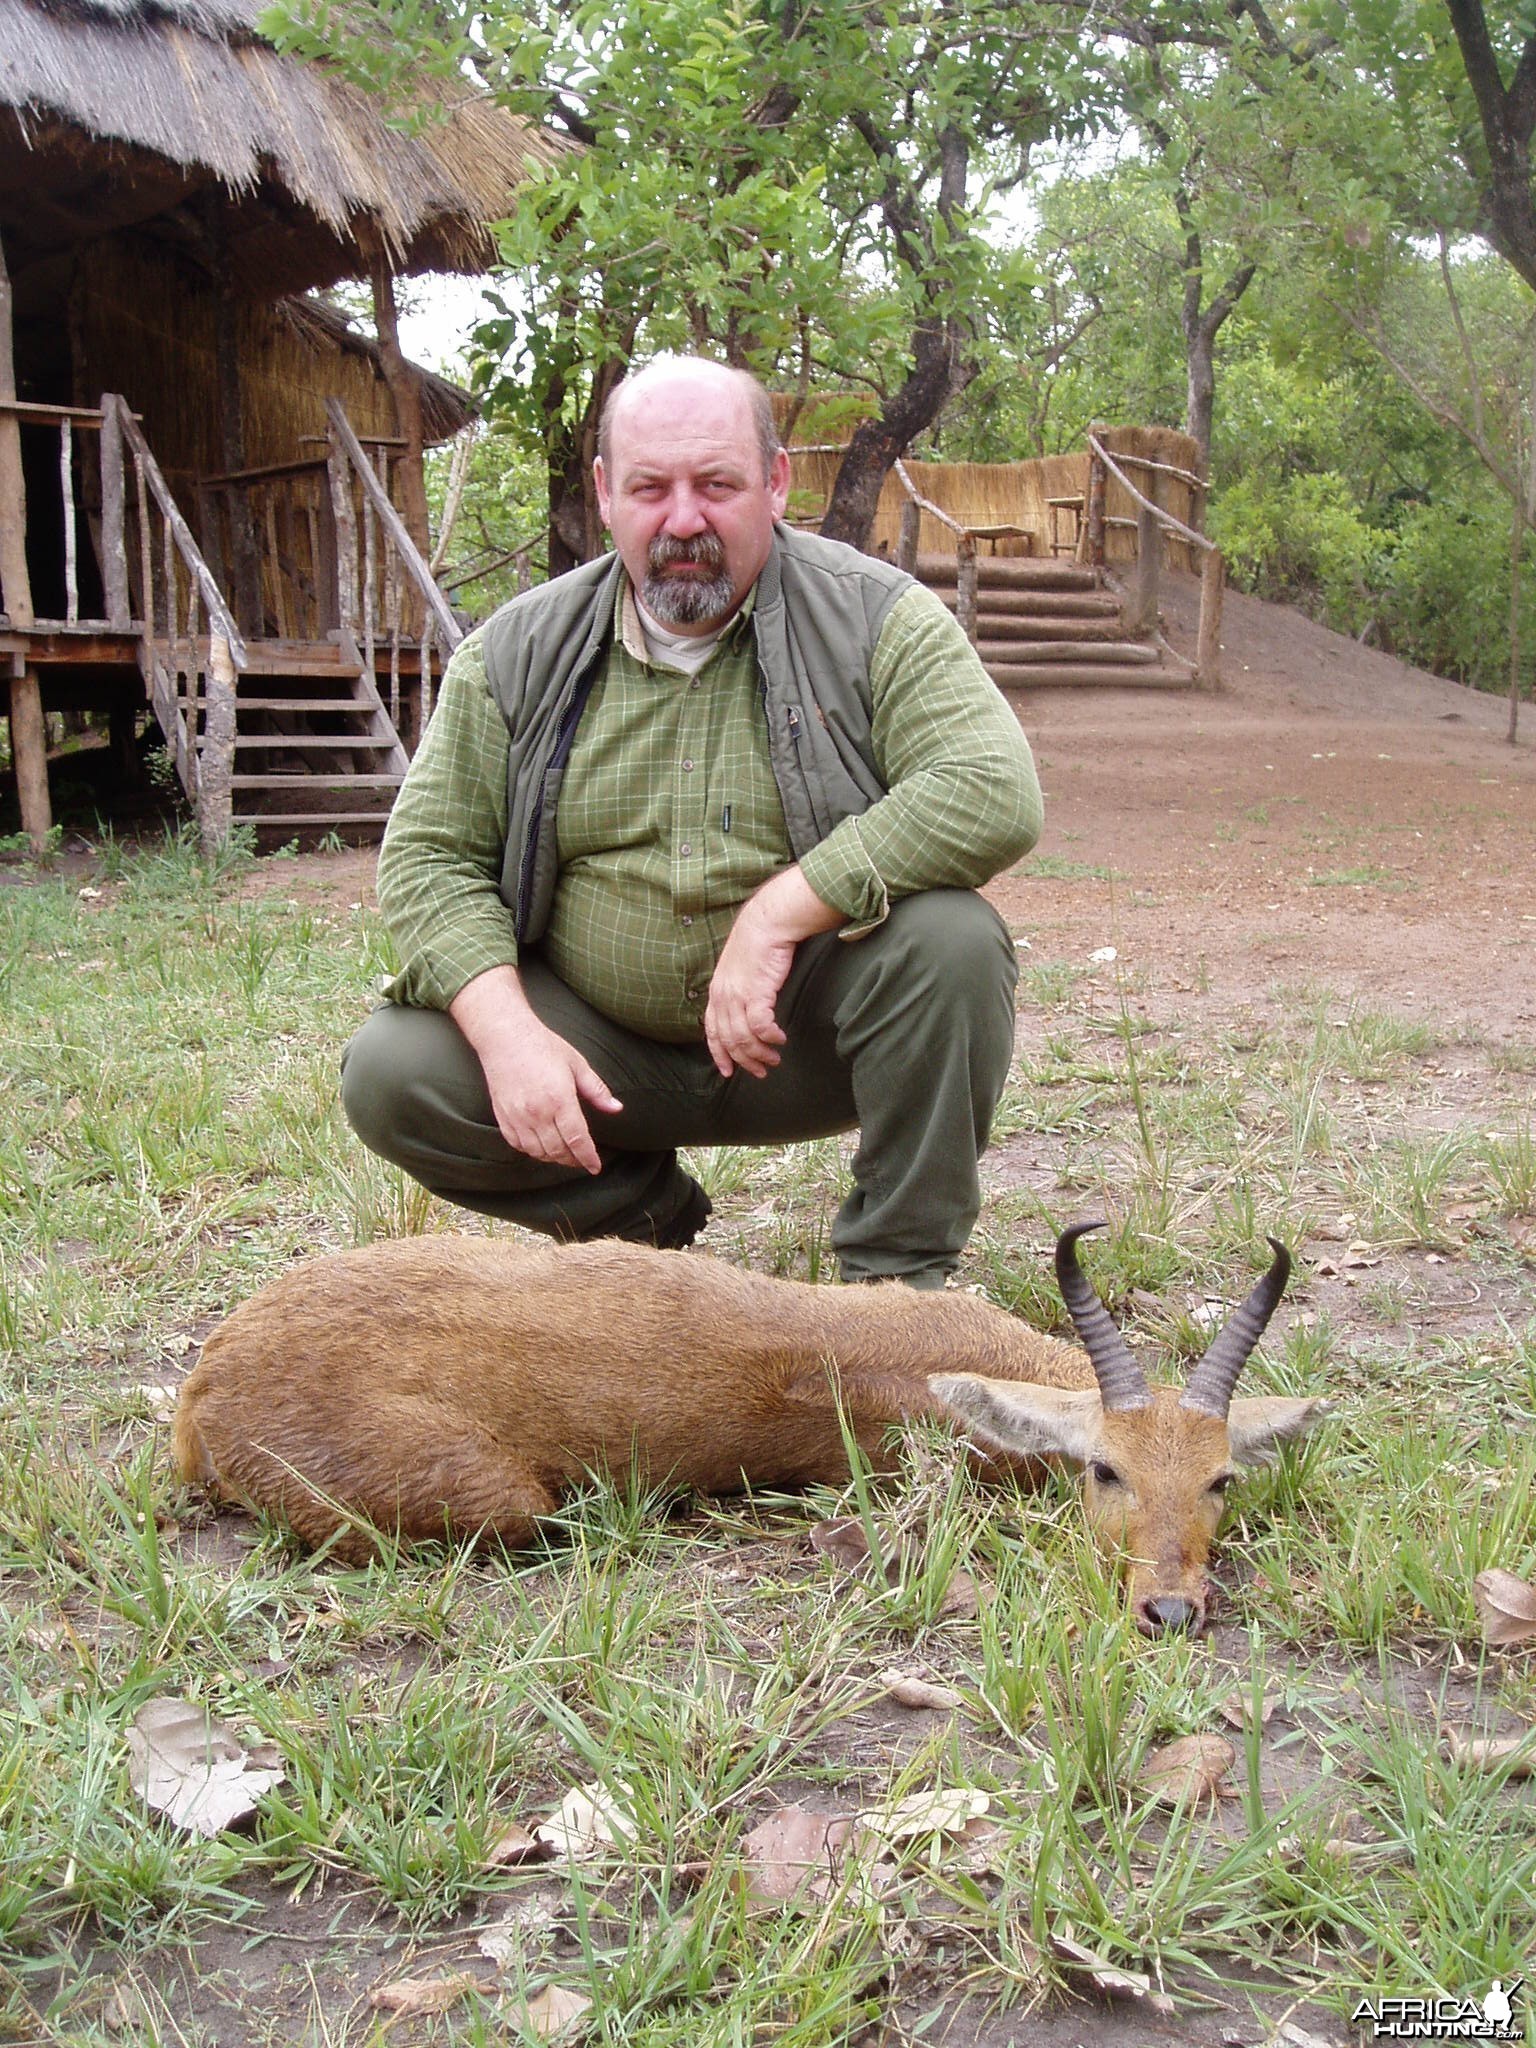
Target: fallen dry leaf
[(188, 1766), (927, 1813), (1506, 1606), (554, 2010), (1237, 1709), (908, 1690), (526, 1921), (1191, 1768), (794, 1854), (584, 1824), (414, 1997), (515, 1845), (1494, 1752), (159, 1401), (1108, 1977)]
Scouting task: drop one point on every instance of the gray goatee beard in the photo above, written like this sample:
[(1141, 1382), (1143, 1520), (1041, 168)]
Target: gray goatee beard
[(686, 600)]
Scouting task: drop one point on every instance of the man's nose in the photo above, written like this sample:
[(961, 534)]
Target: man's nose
[(685, 513)]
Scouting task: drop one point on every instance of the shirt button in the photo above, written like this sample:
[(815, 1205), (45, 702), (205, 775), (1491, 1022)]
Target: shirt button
[(686, 919), (693, 995), (685, 849), (697, 683), (687, 767)]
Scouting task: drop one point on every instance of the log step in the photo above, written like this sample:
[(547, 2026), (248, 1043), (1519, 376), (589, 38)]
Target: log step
[(1039, 604), (1130, 653), (1010, 572), (1104, 676), (1101, 627)]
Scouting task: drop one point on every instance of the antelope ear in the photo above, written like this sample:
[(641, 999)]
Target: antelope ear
[(1257, 1428), (1024, 1420)]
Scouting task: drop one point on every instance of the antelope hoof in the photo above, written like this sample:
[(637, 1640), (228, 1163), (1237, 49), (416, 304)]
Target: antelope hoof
[(1163, 1613)]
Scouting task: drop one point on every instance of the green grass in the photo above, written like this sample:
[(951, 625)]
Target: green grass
[(174, 1139)]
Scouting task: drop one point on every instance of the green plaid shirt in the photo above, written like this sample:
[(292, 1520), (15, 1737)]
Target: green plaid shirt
[(670, 817)]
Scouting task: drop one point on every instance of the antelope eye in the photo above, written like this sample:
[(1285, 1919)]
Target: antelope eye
[(1220, 1485), (1106, 1475)]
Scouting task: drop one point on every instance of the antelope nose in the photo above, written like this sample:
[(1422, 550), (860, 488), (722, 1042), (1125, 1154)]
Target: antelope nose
[(1164, 1612)]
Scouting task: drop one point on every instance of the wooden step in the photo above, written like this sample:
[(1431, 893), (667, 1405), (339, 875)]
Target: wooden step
[(1026, 632), (317, 781), (1130, 653), (1104, 676), (308, 821), (243, 703), (1010, 572), (1039, 604), (298, 658), (278, 741)]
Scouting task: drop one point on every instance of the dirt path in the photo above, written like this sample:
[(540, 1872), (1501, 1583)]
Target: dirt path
[(1332, 816)]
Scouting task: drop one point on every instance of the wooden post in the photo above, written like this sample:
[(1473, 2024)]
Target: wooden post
[(911, 524), (15, 583), (965, 585), (1141, 611), (1213, 582), (29, 738), (216, 764), (344, 521), (29, 750), (114, 547), (1098, 478)]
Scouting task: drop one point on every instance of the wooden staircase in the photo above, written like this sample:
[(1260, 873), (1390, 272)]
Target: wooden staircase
[(1049, 623), (315, 750)]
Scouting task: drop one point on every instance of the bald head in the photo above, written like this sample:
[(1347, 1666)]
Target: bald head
[(689, 378), (691, 481)]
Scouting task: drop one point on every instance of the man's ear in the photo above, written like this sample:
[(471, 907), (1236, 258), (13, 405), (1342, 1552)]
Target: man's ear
[(1257, 1428), (1024, 1420), (600, 484)]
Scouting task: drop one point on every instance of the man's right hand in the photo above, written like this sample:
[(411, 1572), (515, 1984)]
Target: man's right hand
[(538, 1081)]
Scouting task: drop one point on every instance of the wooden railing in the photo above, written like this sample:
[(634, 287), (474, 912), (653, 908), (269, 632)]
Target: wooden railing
[(190, 650), (1152, 522), (384, 587), (965, 549), (68, 423)]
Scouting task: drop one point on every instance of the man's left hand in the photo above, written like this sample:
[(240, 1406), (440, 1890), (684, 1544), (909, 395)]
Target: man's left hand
[(740, 1027)]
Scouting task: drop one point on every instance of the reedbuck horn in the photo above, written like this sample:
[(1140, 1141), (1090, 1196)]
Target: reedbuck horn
[(1209, 1388), (1122, 1383)]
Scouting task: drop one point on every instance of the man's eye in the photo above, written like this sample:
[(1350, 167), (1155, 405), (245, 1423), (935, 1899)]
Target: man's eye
[(1106, 1475)]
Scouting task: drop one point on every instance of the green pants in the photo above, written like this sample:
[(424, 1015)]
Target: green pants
[(906, 1033)]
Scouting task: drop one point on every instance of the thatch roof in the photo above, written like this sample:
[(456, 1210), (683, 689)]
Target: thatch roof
[(116, 112), (445, 408)]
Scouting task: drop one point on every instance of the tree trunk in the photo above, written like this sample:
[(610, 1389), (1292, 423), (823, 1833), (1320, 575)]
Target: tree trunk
[(1516, 554), (937, 375), (406, 393), (1200, 405)]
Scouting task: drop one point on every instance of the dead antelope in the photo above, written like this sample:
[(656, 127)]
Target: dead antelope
[(459, 1386)]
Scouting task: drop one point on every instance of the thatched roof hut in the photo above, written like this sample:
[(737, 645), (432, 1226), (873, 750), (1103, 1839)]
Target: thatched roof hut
[(117, 112)]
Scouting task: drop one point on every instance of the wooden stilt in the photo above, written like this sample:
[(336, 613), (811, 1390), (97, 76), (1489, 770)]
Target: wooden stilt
[(29, 750)]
